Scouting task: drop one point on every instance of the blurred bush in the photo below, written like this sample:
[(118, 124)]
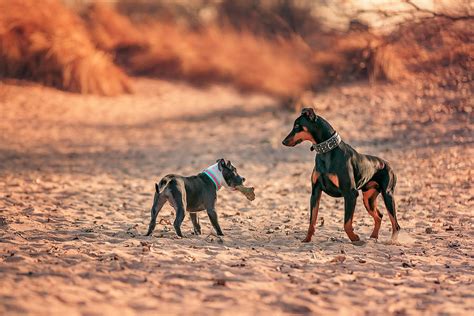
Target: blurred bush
[(278, 47), (255, 45), (45, 42)]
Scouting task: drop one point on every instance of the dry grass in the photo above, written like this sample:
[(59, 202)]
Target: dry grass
[(215, 54), (439, 43), (433, 55), (45, 42), (263, 51), (357, 55), (387, 64), (415, 50), (110, 31)]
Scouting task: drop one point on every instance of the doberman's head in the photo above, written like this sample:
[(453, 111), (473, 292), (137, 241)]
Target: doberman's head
[(308, 126), (229, 172), (301, 128)]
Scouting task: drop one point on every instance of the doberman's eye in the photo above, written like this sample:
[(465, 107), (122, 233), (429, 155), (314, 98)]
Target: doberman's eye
[(297, 126)]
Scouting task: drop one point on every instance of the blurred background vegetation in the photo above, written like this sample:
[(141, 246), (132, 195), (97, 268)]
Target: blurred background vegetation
[(280, 47)]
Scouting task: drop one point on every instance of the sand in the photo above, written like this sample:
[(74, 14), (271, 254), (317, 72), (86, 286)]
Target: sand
[(76, 185)]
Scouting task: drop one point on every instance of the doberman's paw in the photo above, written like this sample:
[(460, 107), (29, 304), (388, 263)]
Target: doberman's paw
[(394, 237), (358, 243), (372, 240), (354, 237), (306, 239)]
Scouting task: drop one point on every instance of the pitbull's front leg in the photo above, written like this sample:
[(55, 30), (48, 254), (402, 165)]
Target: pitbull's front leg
[(196, 225), (211, 212)]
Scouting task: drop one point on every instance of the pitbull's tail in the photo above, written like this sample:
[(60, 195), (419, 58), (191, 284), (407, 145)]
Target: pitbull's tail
[(159, 187)]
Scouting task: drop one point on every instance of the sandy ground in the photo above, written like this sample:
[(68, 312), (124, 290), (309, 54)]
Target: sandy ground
[(76, 186)]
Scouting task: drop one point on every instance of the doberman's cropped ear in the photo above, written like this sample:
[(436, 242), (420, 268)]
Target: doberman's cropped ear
[(220, 163), (157, 187), (309, 113)]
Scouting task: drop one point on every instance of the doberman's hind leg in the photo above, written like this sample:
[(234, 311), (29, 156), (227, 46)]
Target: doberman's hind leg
[(387, 189), (196, 225), (392, 213), (370, 203), (158, 201)]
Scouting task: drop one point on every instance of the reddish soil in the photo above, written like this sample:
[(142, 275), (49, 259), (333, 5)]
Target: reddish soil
[(76, 186)]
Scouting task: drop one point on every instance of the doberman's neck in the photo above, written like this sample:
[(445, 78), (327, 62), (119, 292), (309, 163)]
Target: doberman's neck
[(321, 130)]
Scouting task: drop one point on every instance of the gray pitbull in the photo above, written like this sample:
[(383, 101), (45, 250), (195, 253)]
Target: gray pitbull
[(194, 194)]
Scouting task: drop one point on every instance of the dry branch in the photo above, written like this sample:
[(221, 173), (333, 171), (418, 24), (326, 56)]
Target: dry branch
[(249, 192)]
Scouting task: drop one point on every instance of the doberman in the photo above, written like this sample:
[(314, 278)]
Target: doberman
[(194, 194), (340, 171)]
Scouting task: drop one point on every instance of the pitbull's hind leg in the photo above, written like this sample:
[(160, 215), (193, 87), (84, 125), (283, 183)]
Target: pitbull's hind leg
[(158, 201), (178, 201)]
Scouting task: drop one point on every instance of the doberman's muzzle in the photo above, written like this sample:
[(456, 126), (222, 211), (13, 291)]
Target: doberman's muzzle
[(290, 140)]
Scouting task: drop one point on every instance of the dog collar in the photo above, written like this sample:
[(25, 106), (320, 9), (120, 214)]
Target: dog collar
[(327, 145), (215, 175)]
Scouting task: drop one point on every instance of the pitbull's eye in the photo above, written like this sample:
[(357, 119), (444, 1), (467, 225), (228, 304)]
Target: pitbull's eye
[(297, 126)]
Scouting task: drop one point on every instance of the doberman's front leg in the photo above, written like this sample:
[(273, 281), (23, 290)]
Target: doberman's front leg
[(313, 211), (313, 204), (350, 193), (350, 200)]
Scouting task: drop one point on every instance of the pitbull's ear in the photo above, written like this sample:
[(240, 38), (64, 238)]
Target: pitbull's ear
[(220, 163), (229, 164), (157, 188), (309, 113)]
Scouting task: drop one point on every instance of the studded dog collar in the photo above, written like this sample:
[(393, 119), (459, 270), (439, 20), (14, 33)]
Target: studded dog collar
[(327, 145)]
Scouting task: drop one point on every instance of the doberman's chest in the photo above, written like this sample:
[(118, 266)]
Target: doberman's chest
[(329, 183)]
